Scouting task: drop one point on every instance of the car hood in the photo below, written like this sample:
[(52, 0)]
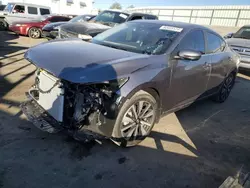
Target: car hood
[(81, 62), (84, 27), (239, 42), (53, 25)]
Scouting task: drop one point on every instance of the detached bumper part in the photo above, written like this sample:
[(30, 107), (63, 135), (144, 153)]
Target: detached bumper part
[(40, 118)]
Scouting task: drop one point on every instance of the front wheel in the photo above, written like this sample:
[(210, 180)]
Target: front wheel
[(225, 89), (135, 120), (34, 33)]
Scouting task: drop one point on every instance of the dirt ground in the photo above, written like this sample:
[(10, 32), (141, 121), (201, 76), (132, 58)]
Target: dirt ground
[(196, 147)]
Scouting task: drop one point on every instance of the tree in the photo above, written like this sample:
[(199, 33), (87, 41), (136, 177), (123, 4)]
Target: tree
[(131, 6), (116, 6)]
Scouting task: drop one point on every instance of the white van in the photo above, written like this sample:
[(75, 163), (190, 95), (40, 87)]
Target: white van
[(21, 12)]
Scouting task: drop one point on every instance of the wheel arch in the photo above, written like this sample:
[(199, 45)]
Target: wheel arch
[(152, 90), (28, 29), (234, 72)]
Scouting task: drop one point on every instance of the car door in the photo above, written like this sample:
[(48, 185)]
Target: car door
[(219, 59), (18, 14), (189, 78)]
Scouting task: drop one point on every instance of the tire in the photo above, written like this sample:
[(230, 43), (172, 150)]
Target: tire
[(225, 89), (129, 130), (3, 25), (34, 33)]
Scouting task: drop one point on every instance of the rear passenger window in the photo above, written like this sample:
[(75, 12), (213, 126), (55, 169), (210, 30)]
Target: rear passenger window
[(137, 18), (193, 41), (32, 10), (151, 17), (44, 11), (214, 44)]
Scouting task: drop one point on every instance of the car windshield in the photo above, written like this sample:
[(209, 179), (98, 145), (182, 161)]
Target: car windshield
[(9, 7), (244, 33), (77, 19), (144, 38), (111, 17)]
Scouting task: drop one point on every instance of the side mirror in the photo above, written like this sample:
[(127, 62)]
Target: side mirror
[(188, 55), (229, 35)]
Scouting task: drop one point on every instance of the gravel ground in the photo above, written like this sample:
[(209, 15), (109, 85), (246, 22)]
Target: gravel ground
[(196, 147)]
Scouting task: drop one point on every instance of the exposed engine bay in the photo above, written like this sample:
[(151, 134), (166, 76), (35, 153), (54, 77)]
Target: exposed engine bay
[(75, 106)]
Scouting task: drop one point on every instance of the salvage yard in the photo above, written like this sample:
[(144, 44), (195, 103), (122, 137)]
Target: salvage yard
[(197, 147)]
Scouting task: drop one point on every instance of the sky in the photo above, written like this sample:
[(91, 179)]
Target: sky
[(104, 4)]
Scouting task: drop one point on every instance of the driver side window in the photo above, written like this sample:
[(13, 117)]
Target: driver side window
[(19, 9), (194, 40)]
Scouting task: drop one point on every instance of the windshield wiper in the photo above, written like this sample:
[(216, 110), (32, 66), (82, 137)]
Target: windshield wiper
[(115, 47)]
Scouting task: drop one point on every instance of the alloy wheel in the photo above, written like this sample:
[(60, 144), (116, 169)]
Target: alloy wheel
[(227, 87), (138, 120), (34, 33)]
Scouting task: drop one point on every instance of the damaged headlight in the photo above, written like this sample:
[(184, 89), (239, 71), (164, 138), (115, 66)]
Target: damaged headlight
[(117, 83)]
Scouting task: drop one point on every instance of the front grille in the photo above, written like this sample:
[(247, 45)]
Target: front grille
[(241, 50), (65, 34)]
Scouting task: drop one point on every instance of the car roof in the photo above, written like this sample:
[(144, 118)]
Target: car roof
[(30, 4), (185, 26), (114, 10)]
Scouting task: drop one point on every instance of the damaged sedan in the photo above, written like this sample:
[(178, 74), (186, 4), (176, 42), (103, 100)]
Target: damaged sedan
[(122, 82)]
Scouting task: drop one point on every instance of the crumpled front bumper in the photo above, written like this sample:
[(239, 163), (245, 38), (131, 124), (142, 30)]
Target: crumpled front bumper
[(40, 118), (43, 121)]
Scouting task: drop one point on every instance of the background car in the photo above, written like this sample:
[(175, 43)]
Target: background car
[(50, 31), (21, 12), (121, 83), (240, 43), (34, 28), (106, 18)]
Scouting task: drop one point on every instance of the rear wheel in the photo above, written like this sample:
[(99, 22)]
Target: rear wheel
[(135, 120), (34, 33), (225, 89)]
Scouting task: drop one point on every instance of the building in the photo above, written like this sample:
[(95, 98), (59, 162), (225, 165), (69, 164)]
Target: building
[(72, 7), (234, 16)]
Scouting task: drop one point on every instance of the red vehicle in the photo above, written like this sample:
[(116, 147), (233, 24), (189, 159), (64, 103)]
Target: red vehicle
[(33, 28)]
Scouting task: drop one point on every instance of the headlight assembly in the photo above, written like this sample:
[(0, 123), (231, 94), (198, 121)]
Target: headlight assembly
[(116, 84)]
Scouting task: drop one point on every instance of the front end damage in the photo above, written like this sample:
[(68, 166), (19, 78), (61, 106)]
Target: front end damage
[(86, 111)]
